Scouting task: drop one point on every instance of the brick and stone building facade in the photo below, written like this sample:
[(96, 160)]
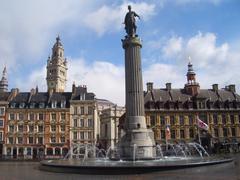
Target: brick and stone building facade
[(37, 124), (42, 124), (83, 116), (180, 108)]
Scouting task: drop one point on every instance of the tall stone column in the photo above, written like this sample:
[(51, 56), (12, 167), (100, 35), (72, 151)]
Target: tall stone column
[(138, 142)]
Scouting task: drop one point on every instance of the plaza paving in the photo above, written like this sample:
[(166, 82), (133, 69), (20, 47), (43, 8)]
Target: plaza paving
[(30, 170)]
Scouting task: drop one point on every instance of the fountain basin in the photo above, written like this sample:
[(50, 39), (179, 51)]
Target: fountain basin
[(103, 166)]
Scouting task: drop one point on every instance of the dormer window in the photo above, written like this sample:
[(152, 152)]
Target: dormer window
[(32, 105), (21, 105), (201, 105), (63, 104), (41, 105), (54, 104), (13, 105), (82, 96)]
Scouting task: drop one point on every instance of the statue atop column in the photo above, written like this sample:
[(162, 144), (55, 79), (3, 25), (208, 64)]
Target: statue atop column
[(130, 22)]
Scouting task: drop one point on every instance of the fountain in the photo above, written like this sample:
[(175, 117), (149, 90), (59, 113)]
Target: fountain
[(137, 151)]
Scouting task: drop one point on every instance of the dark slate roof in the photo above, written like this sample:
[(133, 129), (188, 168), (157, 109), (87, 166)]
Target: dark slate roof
[(59, 97), (21, 97), (39, 97), (226, 95), (152, 98), (157, 95), (208, 94), (179, 95), (4, 96)]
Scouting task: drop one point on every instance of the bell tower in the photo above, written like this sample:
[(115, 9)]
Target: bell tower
[(57, 68), (191, 87)]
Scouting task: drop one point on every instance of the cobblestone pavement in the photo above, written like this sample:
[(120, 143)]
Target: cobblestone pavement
[(30, 170)]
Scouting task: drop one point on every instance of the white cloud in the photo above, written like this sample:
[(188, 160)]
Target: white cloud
[(105, 79), (36, 78), (161, 74), (27, 27), (110, 18), (204, 49), (172, 47), (213, 62), (181, 2)]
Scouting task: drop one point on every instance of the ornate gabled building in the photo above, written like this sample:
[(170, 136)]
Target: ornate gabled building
[(37, 124), (83, 116), (179, 109), (57, 68)]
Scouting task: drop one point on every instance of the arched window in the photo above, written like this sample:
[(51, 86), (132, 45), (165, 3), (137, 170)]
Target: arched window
[(57, 151), (64, 151), (49, 151)]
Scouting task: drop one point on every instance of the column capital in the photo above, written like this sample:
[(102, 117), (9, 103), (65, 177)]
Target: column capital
[(133, 41)]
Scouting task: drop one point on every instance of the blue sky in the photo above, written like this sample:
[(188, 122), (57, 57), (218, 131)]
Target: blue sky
[(91, 32)]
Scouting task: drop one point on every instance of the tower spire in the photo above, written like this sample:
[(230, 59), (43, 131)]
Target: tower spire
[(191, 87), (4, 81), (57, 68)]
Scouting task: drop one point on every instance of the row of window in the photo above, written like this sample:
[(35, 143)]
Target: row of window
[(153, 120), (82, 135), (226, 133), (30, 151), (32, 116), (82, 123), (29, 140), (83, 110), (30, 128), (54, 104), (32, 140), (24, 128), (203, 117), (173, 134)]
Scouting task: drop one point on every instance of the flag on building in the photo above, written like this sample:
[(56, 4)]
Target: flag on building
[(168, 133), (202, 124)]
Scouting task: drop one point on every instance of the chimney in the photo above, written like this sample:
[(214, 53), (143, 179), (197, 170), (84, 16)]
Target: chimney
[(85, 88), (50, 92), (215, 87), (232, 88), (149, 86), (14, 92), (33, 91), (36, 89), (168, 86), (73, 88)]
